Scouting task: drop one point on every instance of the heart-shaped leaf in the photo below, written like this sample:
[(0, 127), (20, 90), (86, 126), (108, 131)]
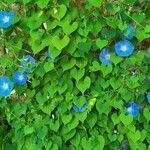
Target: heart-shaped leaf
[(126, 120), (134, 136), (101, 43), (79, 102), (42, 4), (48, 66), (77, 74), (106, 69), (86, 144), (83, 85), (95, 3), (66, 118), (60, 12), (60, 43), (68, 29), (67, 64)]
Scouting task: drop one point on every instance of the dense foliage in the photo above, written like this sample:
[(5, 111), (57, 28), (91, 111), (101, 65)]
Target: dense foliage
[(74, 74)]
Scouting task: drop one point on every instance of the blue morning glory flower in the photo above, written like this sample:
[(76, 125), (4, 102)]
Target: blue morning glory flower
[(20, 78), (104, 56), (132, 109), (49, 57), (79, 110), (6, 19), (124, 48), (148, 97), (27, 62), (6, 86), (131, 31)]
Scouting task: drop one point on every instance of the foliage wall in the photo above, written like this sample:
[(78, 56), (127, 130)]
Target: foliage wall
[(72, 101)]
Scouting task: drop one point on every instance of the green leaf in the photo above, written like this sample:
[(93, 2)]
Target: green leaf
[(47, 144), (106, 69), (48, 66), (67, 64), (134, 136), (34, 21), (130, 2), (68, 29), (95, 3), (26, 1), (35, 35), (66, 118), (42, 4), (75, 140), (54, 126), (115, 119), (28, 130), (79, 101), (146, 113), (60, 43), (126, 94), (115, 83), (95, 66), (77, 74), (53, 51), (83, 85), (102, 107), (83, 48), (59, 12), (86, 144), (92, 120), (126, 120), (101, 43), (69, 135), (41, 98), (116, 59), (73, 124), (100, 143), (42, 133)]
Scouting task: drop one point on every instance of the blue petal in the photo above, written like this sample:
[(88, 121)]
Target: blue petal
[(6, 14), (102, 56), (79, 110), (17, 80), (134, 107), (129, 46), (5, 92)]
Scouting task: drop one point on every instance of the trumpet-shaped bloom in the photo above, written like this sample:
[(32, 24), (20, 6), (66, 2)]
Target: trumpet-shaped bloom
[(6, 19), (104, 56), (20, 78), (6, 86), (79, 110), (27, 62), (132, 109), (124, 48)]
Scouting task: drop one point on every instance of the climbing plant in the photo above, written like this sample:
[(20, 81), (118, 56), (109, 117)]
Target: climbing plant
[(74, 75)]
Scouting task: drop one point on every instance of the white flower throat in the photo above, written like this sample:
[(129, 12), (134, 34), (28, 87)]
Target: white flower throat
[(5, 86), (107, 56), (123, 48), (130, 109), (21, 77), (5, 19)]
